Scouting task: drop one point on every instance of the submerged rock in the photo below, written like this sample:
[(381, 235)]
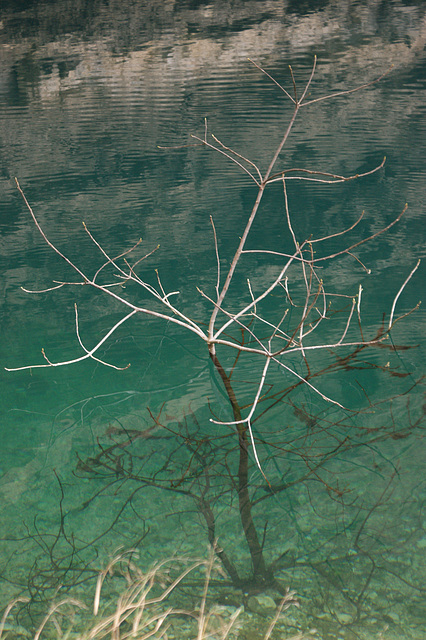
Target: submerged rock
[(15, 630), (261, 604)]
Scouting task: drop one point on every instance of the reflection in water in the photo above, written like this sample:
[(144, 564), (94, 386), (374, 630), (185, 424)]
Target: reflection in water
[(85, 105)]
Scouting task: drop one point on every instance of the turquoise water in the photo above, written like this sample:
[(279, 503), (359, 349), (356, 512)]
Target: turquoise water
[(87, 99)]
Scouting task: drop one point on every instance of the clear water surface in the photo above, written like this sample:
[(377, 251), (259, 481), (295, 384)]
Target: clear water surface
[(88, 95)]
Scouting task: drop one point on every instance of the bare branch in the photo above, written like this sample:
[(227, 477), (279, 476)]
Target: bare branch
[(334, 177), (260, 297), (229, 156), (338, 233), (45, 238), (311, 77), (348, 322), (357, 244), (238, 155), (216, 248), (77, 330), (287, 212), (109, 260), (296, 101), (232, 318), (273, 80), (404, 284), (302, 379), (248, 419), (59, 286), (348, 91), (89, 354)]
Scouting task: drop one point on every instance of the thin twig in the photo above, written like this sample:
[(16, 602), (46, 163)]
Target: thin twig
[(238, 155), (273, 80), (348, 91), (334, 178), (229, 156), (412, 272), (216, 248), (89, 353)]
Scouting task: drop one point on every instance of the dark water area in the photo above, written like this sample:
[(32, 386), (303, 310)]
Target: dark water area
[(98, 101)]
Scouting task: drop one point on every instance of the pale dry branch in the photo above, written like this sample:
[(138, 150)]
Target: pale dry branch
[(333, 345), (338, 233), (284, 285), (348, 91), (311, 77), (251, 295), (362, 265), (248, 419), (286, 602), (330, 256), (407, 313), (290, 227), (43, 235), (404, 284), (122, 274), (229, 156), (277, 332), (147, 255), (238, 155), (296, 100), (281, 254), (253, 214), (59, 286), (360, 242), (112, 261), (321, 291), (107, 364), (237, 345), (334, 178), (273, 80), (89, 354), (348, 322), (307, 310), (277, 329), (297, 348), (358, 308), (181, 320), (55, 607), (216, 248), (302, 379), (8, 610), (258, 298), (186, 323)]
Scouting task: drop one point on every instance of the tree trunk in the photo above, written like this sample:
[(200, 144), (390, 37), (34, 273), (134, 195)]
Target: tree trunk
[(260, 571)]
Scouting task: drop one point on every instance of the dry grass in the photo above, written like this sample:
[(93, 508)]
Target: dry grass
[(143, 608)]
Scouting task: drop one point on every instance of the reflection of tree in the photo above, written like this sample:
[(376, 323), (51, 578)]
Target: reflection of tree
[(316, 450)]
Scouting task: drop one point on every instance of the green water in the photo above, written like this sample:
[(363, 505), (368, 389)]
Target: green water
[(88, 95)]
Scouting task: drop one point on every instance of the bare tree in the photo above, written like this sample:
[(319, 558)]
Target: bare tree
[(293, 316)]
